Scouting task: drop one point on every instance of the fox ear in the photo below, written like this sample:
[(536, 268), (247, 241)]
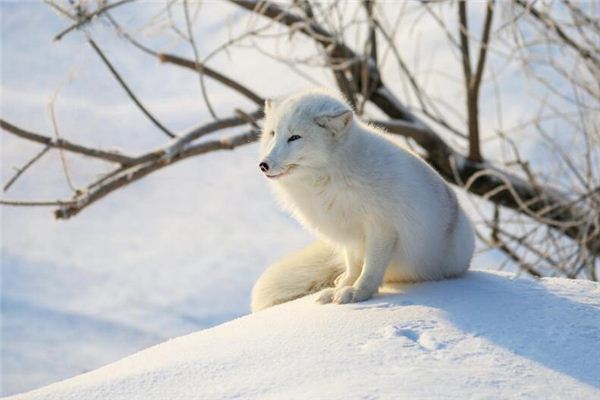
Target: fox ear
[(338, 124)]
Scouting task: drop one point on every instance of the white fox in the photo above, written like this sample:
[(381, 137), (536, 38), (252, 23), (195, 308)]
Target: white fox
[(381, 213)]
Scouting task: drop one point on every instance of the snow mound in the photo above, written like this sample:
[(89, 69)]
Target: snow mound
[(482, 336)]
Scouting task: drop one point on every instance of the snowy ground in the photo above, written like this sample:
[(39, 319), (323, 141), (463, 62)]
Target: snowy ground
[(483, 336)]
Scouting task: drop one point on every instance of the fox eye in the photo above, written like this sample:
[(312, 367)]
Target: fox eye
[(294, 137), (272, 133)]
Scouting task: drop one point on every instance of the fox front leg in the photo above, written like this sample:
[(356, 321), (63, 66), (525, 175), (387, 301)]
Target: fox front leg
[(353, 269), (353, 263), (378, 252)]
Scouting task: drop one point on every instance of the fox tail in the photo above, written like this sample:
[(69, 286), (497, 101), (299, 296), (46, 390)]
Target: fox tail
[(301, 273)]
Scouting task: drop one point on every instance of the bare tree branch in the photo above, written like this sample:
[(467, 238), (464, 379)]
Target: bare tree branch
[(131, 95), (485, 40), (27, 203), (87, 18), (182, 62), (61, 152), (176, 147), (131, 175), (542, 230), (473, 82), (111, 156), (192, 41), (497, 242), (549, 23), (21, 171), (463, 31), (452, 165)]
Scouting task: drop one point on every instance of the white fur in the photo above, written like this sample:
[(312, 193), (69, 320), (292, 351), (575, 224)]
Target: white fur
[(369, 199), (306, 271)]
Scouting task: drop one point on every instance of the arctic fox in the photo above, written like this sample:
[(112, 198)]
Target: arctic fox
[(381, 213)]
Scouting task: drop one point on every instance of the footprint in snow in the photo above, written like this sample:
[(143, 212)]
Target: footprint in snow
[(423, 339)]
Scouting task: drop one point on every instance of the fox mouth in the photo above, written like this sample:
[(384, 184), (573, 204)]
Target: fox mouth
[(286, 172)]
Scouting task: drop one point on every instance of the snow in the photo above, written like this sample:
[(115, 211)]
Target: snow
[(485, 335)]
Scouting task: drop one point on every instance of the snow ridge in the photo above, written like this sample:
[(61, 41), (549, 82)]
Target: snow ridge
[(482, 336)]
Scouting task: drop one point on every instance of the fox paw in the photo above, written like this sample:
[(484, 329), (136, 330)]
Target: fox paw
[(326, 296), (343, 295), (344, 280)]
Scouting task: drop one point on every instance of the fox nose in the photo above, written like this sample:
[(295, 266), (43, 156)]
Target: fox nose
[(264, 167)]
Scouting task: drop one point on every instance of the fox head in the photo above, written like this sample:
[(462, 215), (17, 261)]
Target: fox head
[(301, 132)]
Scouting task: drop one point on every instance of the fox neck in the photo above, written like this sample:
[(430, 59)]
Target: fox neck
[(322, 199)]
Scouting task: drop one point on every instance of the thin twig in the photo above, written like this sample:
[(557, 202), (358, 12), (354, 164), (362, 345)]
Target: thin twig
[(512, 254), (483, 47), (238, 87), (89, 17), (110, 156), (21, 171), (190, 34), (550, 24), (29, 203), (131, 95), (61, 152), (185, 63), (471, 93), (463, 31), (178, 145)]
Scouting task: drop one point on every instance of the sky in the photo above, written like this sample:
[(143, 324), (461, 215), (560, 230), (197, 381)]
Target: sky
[(174, 253)]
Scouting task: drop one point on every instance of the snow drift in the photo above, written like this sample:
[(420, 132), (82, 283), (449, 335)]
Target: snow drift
[(482, 336)]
